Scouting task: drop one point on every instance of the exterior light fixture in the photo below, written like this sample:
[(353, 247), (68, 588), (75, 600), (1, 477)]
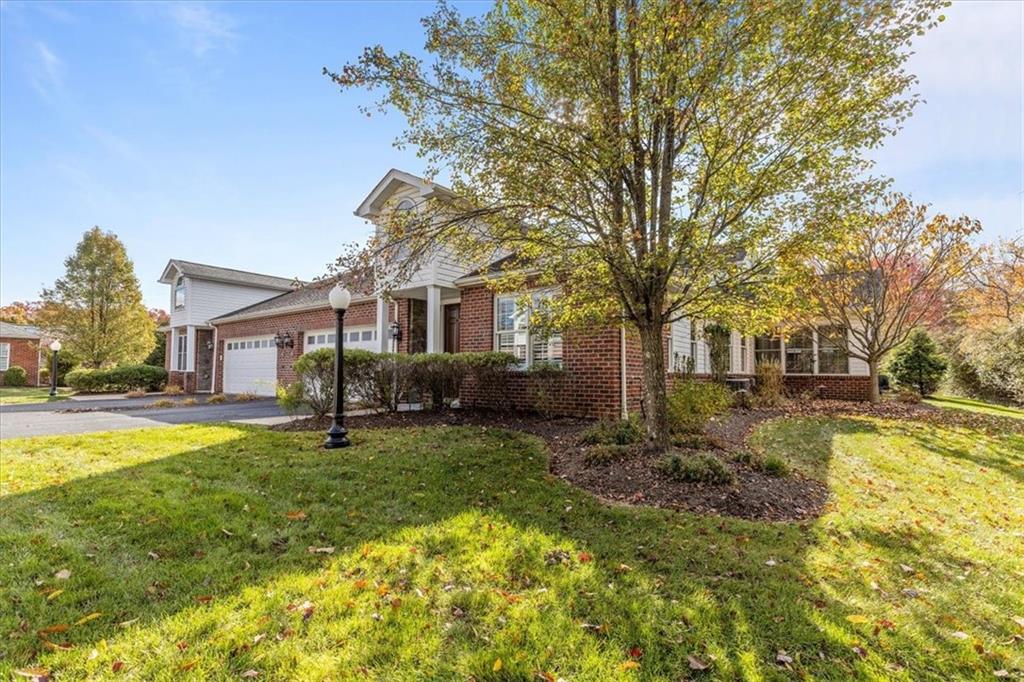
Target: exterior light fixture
[(395, 331), (337, 435), (55, 347)]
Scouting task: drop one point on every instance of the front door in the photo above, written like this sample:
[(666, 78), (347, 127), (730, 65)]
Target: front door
[(204, 359), (451, 328)]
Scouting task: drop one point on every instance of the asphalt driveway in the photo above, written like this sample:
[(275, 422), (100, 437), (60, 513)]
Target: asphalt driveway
[(87, 416)]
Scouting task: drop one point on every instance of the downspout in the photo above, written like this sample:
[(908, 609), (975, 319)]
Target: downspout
[(213, 369), (622, 372)]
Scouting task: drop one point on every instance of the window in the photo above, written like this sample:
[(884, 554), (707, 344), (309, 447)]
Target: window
[(832, 354), (405, 205), (179, 292), (767, 349), (5, 356), (512, 333), (800, 352), (181, 351)]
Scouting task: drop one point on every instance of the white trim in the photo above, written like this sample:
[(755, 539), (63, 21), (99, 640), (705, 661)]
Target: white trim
[(623, 394), (283, 310), (527, 361), (6, 356), (213, 367)]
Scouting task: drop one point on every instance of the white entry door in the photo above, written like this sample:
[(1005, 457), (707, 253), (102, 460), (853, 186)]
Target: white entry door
[(250, 366)]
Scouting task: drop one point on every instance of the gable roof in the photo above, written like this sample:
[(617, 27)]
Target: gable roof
[(392, 181), (19, 331), (312, 296), (229, 275)]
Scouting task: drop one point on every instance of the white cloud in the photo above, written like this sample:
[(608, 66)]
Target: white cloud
[(46, 71), (201, 26)]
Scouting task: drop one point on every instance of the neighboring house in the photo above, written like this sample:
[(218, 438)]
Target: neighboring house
[(448, 307), (199, 293), (21, 345)]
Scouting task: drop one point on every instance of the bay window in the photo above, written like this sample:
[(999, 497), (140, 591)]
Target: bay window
[(512, 333)]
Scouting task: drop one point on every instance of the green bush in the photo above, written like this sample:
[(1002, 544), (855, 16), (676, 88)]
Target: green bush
[(718, 338), (769, 384), (773, 465), (619, 432), (315, 372), (491, 371), (702, 467), (546, 377), (918, 364), (438, 375), (289, 397), (605, 454), (692, 403), (15, 376), (123, 378)]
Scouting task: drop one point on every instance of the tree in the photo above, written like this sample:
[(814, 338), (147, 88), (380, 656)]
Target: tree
[(892, 275), (918, 363), (21, 312), (653, 159), (158, 355), (96, 308)]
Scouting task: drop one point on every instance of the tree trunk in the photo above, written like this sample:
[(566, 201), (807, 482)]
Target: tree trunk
[(874, 395), (655, 407)]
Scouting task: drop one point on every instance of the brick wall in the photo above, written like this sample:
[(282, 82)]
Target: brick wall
[(292, 323), (24, 354), (831, 387)]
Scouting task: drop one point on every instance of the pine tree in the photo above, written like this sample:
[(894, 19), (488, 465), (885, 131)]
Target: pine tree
[(918, 364), (96, 308)]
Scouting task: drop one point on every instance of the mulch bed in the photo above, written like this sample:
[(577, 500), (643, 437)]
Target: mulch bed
[(635, 478)]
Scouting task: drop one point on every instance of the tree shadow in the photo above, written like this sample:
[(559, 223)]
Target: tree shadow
[(218, 544)]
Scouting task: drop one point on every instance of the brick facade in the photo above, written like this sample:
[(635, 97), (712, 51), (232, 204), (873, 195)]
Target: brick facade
[(24, 354), (831, 387)]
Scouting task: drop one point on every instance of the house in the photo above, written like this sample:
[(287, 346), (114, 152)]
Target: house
[(447, 306), (21, 346)]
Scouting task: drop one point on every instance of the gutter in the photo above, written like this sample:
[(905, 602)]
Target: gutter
[(622, 369)]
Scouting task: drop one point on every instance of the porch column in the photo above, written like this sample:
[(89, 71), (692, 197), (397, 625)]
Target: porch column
[(435, 342), (383, 333)]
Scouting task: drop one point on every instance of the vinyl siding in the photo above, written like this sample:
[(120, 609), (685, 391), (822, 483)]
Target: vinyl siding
[(205, 300)]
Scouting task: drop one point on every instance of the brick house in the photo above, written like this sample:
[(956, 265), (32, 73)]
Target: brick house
[(21, 346), (447, 307)]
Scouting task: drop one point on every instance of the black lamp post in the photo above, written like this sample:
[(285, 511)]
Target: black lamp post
[(55, 347), (337, 435)]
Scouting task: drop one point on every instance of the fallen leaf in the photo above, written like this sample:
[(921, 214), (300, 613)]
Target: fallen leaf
[(37, 674), (320, 550), (906, 569), (226, 532), (497, 665), (62, 574), (62, 627), (259, 638), (251, 673), (1001, 673), (770, 562), (858, 618), (116, 666), (53, 595), (153, 555), (188, 665), (205, 598), (297, 515), (782, 658), (182, 645), (961, 635), (636, 652), (629, 665), (696, 663), (860, 652), (85, 619), (1019, 621), (584, 557)]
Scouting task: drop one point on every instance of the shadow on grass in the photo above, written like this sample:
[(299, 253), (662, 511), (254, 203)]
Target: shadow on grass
[(455, 555)]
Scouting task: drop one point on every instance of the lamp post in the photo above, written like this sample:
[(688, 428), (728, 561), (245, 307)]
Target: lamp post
[(55, 347), (337, 435)]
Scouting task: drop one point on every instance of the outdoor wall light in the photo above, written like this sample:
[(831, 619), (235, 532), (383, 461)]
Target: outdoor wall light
[(395, 331)]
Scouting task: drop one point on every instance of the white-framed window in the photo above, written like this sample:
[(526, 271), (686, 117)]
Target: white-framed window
[(800, 352), (179, 292), (767, 349), (405, 205), (833, 357), (5, 356), (181, 350), (512, 332), (323, 338)]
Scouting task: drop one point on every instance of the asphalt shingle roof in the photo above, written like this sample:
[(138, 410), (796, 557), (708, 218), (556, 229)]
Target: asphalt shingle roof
[(213, 272), (19, 331), (313, 295)]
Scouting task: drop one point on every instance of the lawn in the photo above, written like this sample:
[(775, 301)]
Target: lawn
[(30, 394), (450, 553), (979, 406)]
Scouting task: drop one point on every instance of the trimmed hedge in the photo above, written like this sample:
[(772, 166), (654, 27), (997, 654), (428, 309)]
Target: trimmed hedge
[(122, 378), (15, 376)]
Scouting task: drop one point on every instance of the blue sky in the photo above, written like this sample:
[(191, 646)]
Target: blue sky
[(207, 132)]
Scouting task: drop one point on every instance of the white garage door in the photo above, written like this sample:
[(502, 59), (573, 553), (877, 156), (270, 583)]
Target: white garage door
[(250, 366), (364, 337)]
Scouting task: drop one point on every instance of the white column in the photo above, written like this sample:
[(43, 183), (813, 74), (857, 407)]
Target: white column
[(383, 333), (435, 328)]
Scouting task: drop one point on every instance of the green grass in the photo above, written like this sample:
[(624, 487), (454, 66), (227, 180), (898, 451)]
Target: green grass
[(30, 394), (457, 556), (979, 406)]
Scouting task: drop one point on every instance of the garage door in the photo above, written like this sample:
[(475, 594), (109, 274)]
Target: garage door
[(250, 366), (364, 337)]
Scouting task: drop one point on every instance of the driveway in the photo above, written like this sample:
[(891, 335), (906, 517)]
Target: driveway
[(87, 416)]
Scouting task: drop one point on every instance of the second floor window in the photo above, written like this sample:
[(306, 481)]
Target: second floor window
[(512, 333), (179, 293)]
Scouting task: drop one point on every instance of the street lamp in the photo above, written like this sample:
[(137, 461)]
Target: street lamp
[(337, 435), (55, 347)]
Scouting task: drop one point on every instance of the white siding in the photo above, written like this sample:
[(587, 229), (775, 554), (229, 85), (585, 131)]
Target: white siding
[(205, 300), (857, 366)]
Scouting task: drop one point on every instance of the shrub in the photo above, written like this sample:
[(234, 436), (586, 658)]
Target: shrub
[(315, 385), (918, 364), (605, 454), (135, 394), (692, 403), (163, 402), (173, 389), (742, 399), (246, 397), (718, 338), (546, 376), (122, 378), (692, 441), (438, 375), (390, 379), (289, 397), (216, 399), (769, 384), (906, 395), (188, 402), (44, 376), (620, 432), (490, 371), (15, 376), (773, 465), (702, 467)]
